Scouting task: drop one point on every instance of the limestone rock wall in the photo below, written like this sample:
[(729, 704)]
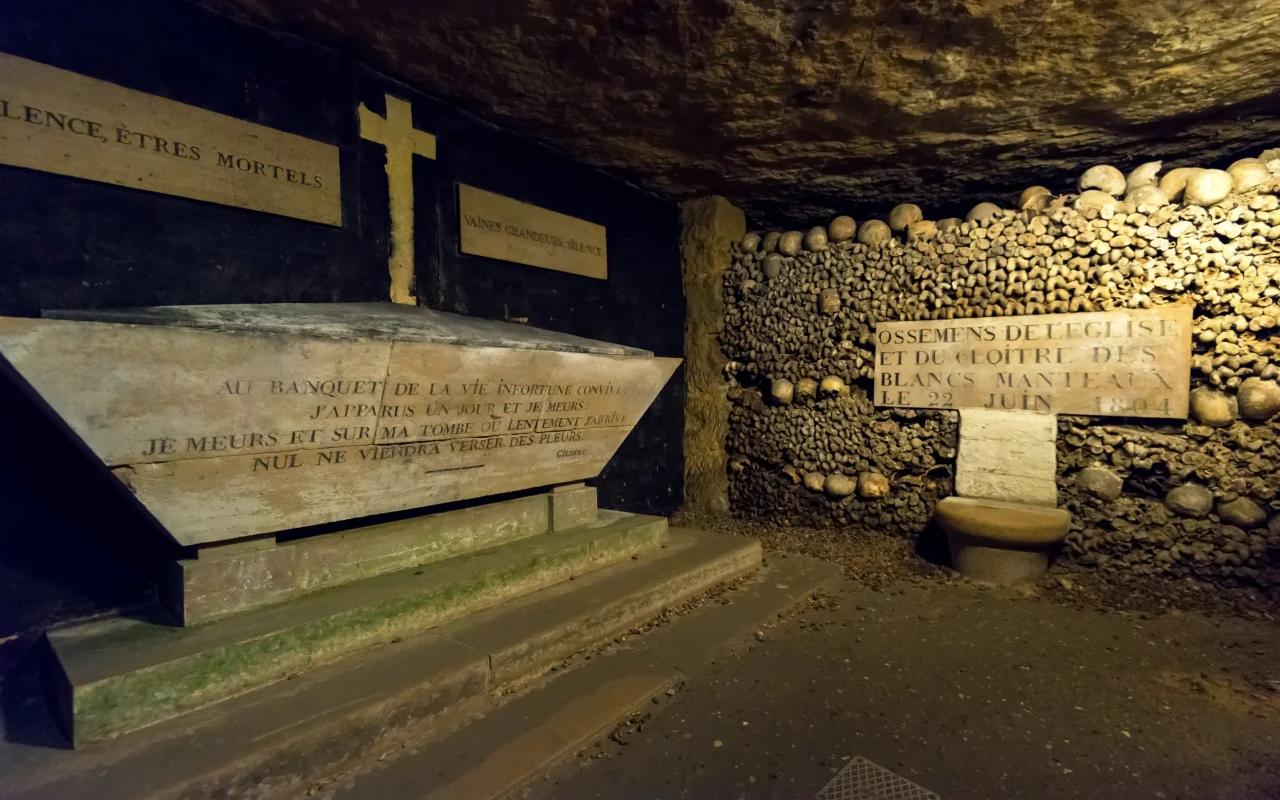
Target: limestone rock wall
[(788, 109), (806, 445)]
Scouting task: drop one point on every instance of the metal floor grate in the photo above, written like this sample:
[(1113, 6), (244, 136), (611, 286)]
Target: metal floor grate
[(862, 780)]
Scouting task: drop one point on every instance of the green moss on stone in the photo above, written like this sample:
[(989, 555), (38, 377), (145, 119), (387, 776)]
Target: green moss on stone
[(124, 702)]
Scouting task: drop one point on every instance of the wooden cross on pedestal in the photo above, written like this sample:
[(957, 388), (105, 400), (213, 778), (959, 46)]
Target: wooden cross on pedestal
[(403, 141)]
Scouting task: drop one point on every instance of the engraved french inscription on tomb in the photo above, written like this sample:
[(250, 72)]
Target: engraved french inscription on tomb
[(582, 391), (138, 394), (499, 227), (1117, 363), (58, 121), (223, 435)]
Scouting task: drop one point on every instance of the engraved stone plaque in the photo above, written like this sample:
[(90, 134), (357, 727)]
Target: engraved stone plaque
[(503, 228), (1117, 363), (58, 121), (229, 421)]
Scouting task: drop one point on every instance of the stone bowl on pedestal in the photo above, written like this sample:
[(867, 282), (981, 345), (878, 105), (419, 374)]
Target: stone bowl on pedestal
[(1000, 542)]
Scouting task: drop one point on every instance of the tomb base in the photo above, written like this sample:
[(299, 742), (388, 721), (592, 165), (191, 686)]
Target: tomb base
[(1000, 542), (123, 674), (241, 575)]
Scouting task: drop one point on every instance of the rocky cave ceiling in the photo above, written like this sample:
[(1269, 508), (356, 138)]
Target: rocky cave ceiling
[(802, 109)]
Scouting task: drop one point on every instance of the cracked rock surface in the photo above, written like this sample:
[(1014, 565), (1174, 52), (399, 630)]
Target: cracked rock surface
[(803, 110)]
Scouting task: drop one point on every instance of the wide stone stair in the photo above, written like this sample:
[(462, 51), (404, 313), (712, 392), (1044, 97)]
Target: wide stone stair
[(125, 674), (275, 700)]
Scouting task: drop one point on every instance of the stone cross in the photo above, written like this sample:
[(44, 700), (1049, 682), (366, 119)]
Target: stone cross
[(403, 141)]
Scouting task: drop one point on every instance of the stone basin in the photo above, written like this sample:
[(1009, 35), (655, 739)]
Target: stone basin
[(1000, 542)]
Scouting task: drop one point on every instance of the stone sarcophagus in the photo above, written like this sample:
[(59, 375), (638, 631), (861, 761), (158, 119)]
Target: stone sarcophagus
[(231, 421)]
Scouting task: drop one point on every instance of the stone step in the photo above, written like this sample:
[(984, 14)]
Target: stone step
[(281, 739), (495, 756), (124, 674)]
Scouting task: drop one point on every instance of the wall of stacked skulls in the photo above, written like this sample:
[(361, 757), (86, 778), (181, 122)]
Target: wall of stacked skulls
[(806, 445)]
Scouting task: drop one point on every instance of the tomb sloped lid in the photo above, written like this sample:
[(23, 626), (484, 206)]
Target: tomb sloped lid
[(385, 321)]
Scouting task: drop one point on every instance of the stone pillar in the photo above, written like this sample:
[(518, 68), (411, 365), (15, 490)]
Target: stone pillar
[(711, 226)]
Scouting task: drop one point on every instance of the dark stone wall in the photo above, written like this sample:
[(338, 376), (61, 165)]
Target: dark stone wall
[(71, 243)]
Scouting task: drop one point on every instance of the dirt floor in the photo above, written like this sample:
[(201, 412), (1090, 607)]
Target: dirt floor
[(970, 692), (879, 561)]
